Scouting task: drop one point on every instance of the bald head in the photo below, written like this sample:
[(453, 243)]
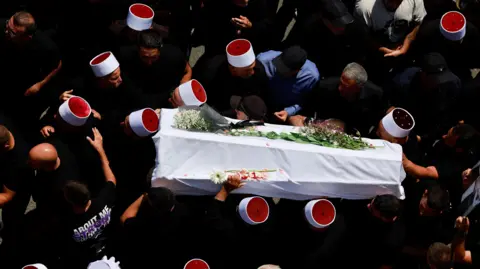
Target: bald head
[(26, 21), (43, 156)]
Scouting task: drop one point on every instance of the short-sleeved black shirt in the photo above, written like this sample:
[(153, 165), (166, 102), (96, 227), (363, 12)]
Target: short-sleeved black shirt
[(15, 171), (89, 230)]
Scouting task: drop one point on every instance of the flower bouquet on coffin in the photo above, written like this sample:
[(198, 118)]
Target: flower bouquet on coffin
[(203, 119)]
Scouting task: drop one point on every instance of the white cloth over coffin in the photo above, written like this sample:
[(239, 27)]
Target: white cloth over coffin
[(186, 159)]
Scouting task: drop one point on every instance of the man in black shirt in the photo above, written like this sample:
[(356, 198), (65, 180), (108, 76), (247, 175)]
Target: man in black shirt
[(426, 216), (430, 92), (71, 122), (111, 95), (30, 60), (237, 74), (447, 159), (14, 182), (376, 232), (459, 46), (88, 219), (155, 67), (350, 98)]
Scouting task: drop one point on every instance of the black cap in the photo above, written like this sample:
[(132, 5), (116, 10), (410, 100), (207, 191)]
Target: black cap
[(336, 12), (434, 63), (291, 59), (253, 106)]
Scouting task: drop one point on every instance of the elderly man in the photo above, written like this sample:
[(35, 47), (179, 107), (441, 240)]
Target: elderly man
[(350, 98), (30, 61), (291, 77)]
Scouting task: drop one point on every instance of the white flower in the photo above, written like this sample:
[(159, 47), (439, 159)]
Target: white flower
[(218, 177), (191, 120)]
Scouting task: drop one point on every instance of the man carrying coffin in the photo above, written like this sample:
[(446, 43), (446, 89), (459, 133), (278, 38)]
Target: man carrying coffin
[(240, 222), (237, 73), (111, 94), (132, 154)]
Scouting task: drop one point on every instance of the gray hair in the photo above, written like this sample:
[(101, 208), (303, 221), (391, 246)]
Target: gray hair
[(356, 72), (269, 266)]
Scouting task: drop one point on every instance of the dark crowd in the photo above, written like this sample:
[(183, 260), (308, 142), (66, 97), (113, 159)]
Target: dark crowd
[(83, 83)]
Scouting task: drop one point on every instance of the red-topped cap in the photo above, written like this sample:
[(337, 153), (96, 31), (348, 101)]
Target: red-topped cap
[(196, 264), (150, 120), (79, 107), (100, 58), (323, 212), (142, 11), (238, 47), (257, 209), (453, 21), (198, 91)]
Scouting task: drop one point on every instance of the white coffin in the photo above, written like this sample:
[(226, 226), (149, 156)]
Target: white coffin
[(186, 159)]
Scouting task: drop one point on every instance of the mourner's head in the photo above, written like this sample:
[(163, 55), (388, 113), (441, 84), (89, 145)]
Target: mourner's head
[(396, 126), (435, 201), (439, 256), (392, 5), (20, 27), (335, 16), (44, 157), (249, 107), (157, 203), (190, 93), (7, 141), (107, 70), (73, 113), (385, 207), (353, 78), (149, 44), (77, 195), (141, 123), (463, 138), (241, 58), (289, 63), (269, 266)]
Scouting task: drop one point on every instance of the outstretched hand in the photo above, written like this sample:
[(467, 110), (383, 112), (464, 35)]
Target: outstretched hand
[(97, 141), (233, 182)]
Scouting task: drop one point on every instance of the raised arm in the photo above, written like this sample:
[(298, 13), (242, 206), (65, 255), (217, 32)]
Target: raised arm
[(97, 143)]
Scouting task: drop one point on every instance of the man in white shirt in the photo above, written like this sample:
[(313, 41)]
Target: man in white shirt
[(396, 22)]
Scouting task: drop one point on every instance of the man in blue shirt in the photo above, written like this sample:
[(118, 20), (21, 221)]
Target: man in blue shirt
[(291, 76)]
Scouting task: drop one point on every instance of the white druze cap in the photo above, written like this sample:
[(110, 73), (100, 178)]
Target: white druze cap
[(140, 17), (192, 93), (398, 123), (75, 111), (453, 25), (254, 210), (144, 122), (104, 64), (240, 53)]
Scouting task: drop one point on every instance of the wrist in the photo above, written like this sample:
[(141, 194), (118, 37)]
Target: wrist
[(222, 195)]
